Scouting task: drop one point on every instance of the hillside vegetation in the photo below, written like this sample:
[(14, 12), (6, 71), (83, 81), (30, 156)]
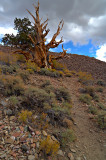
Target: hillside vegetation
[(52, 114)]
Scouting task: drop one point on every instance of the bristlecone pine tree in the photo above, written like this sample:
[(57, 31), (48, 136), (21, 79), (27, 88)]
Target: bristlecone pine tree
[(39, 53)]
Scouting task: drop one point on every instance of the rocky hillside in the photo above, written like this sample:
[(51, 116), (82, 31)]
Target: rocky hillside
[(49, 114), (86, 64)]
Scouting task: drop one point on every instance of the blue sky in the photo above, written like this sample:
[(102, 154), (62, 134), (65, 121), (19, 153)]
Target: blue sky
[(84, 30), (87, 49)]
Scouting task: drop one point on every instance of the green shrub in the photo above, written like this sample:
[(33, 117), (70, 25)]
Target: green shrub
[(99, 89), (66, 137), (93, 110), (36, 97), (101, 119), (58, 66), (96, 98), (44, 71), (101, 106), (24, 115), (49, 146), (31, 66), (62, 94), (13, 85), (49, 89), (50, 72), (60, 109), (90, 90), (85, 78), (46, 83), (8, 69), (67, 105), (101, 83), (68, 74), (13, 101), (24, 75), (85, 98)]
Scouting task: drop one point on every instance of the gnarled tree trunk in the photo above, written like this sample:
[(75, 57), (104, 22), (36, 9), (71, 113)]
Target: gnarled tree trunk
[(40, 50)]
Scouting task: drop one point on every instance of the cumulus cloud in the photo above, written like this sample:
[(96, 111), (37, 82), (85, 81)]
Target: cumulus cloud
[(101, 53), (83, 19), (8, 30)]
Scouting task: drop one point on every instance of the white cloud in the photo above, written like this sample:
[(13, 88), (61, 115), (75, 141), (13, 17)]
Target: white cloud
[(83, 19), (1, 9), (68, 50), (7, 31), (101, 53)]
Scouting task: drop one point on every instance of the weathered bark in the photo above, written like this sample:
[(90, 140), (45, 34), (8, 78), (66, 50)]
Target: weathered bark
[(41, 49)]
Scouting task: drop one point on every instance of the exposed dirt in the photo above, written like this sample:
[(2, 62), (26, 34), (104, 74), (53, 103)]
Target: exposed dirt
[(78, 63), (90, 142)]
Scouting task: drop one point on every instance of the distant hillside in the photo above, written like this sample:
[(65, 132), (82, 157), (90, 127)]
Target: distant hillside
[(79, 63), (86, 64)]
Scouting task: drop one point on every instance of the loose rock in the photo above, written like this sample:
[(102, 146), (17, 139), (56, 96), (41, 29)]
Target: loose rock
[(24, 148), (60, 152), (73, 150), (70, 156), (31, 157)]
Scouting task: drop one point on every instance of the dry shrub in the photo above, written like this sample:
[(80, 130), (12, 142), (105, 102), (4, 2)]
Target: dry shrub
[(24, 115), (20, 58), (7, 58), (66, 137), (33, 66), (36, 97), (62, 94), (9, 69), (24, 74), (85, 78), (67, 73), (46, 83), (101, 119), (90, 90), (85, 98), (58, 66), (49, 146), (50, 72), (101, 83), (92, 109), (12, 85)]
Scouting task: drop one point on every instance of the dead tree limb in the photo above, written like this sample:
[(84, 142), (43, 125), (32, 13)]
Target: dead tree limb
[(41, 49)]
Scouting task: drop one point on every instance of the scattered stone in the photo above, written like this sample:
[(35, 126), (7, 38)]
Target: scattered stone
[(31, 157), (76, 146), (44, 133), (60, 152), (70, 156), (37, 132), (9, 112), (68, 122), (53, 138), (36, 156), (9, 140), (84, 157), (73, 150), (78, 158), (1, 127), (16, 134), (24, 148), (12, 118), (30, 129), (3, 156), (3, 103), (82, 90), (37, 144)]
